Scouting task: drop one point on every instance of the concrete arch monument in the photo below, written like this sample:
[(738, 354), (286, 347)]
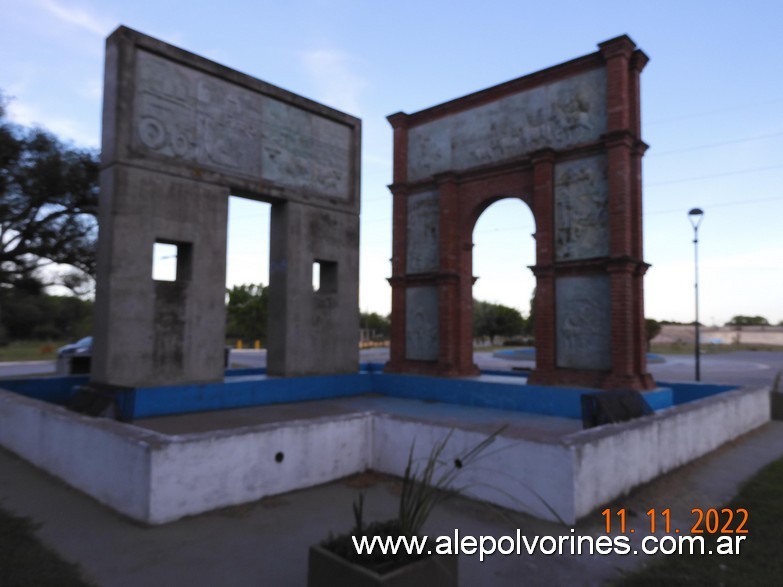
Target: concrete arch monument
[(567, 141), (180, 134)]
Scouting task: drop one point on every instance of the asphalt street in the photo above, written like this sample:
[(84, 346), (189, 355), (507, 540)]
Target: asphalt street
[(744, 368)]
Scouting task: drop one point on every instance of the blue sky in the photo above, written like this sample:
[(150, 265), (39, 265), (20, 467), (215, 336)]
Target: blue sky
[(712, 108)]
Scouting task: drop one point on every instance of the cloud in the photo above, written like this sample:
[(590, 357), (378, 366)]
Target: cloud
[(65, 129), (335, 81), (78, 17)]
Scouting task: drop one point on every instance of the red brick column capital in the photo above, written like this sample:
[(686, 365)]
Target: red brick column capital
[(399, 122), (622, 47), (639, 60)]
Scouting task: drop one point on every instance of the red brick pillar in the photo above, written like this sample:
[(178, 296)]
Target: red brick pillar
[(456, 304), (399, 191), (544, 214), (625, 265), (621, 266), (637, 64)]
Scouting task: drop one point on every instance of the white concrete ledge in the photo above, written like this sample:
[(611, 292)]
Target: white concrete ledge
[(155, 478)]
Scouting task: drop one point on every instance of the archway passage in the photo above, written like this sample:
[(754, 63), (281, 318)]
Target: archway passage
[(503, 251), (566, 141), (180, 135)]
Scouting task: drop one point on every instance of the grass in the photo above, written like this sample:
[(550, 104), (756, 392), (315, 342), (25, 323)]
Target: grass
[(676, 348), (680, 348), (25, 562), (30, 350), (759, 562)]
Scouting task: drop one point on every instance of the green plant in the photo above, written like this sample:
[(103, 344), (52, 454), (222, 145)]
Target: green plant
[(358, 513), (423, 489), (424, 486)]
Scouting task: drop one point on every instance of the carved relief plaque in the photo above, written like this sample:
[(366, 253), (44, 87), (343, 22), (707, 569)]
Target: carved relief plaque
[(423, 230), (581, 209), (189, 115), (557, 115), (583, 322), (422, 334)]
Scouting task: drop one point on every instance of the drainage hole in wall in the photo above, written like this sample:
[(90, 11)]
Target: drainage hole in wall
[(279, 457)]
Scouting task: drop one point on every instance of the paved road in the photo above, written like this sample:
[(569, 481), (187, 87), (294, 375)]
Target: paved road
[(747, 368), (25, 368)]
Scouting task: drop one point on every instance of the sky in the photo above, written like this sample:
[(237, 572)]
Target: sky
[(712, 113)]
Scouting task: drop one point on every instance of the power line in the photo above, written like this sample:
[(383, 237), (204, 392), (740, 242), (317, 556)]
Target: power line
[(717, 205), (708, 113), (716, 144), (726, 174)]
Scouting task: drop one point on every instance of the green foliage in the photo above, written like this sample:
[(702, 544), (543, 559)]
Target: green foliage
[(748, 321), (379, 325), (48, 207), (246, 312), (425, 487), (491, 320), (759, 561), (30, 314), (652, 329)]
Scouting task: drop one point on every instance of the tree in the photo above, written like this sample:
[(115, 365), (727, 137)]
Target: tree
[(748, 321), (28, 313), (652, 328), (246, 312), (380, 326), (48, 207), (496, 320)]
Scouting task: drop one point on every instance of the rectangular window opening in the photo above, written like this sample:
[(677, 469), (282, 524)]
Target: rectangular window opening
[(171, 261), (324, 276)]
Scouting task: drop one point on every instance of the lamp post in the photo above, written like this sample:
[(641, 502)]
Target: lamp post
[(695, 216)]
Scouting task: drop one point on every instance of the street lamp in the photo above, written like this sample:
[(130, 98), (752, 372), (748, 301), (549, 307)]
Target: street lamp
[(695, 216)]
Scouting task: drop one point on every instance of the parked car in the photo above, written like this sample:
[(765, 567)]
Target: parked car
[(75, 358)]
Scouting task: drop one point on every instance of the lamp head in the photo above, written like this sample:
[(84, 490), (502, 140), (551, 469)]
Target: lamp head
[(695, 215)]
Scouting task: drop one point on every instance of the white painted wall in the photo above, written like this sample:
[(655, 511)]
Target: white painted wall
[(200, 472), (611, 460), (105, 459), (518, 474), (156, 478)]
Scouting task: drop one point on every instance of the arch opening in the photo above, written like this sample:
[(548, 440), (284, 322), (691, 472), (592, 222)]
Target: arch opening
[(503, 284)]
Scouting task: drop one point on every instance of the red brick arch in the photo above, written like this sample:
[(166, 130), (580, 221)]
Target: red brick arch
[(566, 141)]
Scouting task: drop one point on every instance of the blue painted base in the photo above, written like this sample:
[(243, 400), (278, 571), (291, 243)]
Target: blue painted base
[(251, 387)]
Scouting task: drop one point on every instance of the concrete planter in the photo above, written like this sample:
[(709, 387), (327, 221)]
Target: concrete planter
[(326, 569)]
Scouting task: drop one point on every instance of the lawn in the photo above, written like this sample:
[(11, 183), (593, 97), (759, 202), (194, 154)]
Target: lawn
[(31, 350), (679, 348), (25, 562), (759, 562)]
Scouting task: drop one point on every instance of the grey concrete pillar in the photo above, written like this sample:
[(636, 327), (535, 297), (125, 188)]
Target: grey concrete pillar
[(151, 332), (313, 332)]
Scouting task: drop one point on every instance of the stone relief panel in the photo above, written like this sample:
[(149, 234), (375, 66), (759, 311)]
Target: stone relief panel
[(581, 209), (583, 322), (557, 115), (423, 254), (422, 333), (182, 113)]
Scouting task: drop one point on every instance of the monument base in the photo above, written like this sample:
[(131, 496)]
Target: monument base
[(592, 379)]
